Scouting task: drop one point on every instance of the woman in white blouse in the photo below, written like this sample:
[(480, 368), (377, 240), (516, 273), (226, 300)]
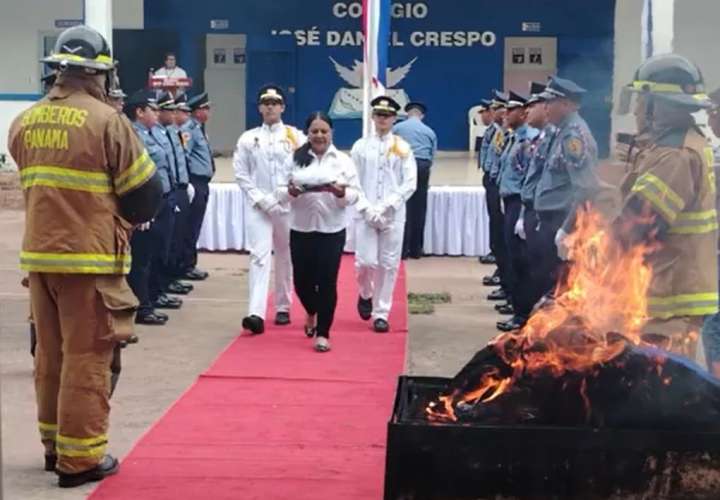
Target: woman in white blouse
[(321, 182)]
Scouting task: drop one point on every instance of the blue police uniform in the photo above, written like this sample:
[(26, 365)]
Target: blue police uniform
[(147, 246), (567, 180), (491, 166), (201, 167), (182, 201), (514, 164)]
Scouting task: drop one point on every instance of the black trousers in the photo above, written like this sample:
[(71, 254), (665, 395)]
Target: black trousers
[(182, 218), (416, 211), (316, 263), (497, 231), (164, 224), (196, 216), (549, 265), (518, 275), (147, 252), (533, 250)]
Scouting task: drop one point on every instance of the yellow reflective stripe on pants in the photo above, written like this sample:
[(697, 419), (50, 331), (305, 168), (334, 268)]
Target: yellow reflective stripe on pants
[(81, 447), (65, 178), (83, 263), (691, 304), (48, 432), (142, 169), (660, 195), (695, 222)]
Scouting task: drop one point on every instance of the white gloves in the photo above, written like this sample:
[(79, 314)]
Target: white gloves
[(502, 206), (375, 218), (191, 192), (267, 202), (520, 229), (144, 226), (276, 209), (562, 248)]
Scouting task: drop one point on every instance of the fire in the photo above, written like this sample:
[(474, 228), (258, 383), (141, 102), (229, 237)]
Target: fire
[(602, 295)]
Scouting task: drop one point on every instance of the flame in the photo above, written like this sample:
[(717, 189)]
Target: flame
[(603, 292)]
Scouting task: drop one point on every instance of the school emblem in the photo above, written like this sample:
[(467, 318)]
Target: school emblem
[(347, 102)]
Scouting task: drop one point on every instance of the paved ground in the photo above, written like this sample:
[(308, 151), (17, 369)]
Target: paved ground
[(168, 359)]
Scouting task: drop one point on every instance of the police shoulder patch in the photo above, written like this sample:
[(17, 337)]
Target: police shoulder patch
[(573, 148)]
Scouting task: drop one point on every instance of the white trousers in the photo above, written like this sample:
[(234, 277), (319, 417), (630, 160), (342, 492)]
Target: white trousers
[(377, 258), (265, 234)]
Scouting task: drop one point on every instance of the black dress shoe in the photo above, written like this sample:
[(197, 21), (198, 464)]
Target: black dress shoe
[(381, 326), (196, 275), (167, 302), (498, 294), (151, 318), (505, 309), (282, 318), (514, 323), (107, 467), (179, 288), (364, 307), (50, 461), (255, 324), (491, 281), (487, 259)]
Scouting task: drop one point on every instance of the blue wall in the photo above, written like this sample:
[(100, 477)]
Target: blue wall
[(448, 79)]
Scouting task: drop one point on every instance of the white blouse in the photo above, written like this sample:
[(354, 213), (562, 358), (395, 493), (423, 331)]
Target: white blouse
[(320, 212)]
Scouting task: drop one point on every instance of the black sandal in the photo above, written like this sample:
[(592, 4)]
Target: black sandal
[(310, 331)]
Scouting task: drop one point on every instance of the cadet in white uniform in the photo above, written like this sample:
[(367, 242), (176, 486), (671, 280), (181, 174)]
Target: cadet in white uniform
[(259, 159), (388, 177)]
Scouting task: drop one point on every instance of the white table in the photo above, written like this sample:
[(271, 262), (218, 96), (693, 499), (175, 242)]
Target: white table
[(456, 224)]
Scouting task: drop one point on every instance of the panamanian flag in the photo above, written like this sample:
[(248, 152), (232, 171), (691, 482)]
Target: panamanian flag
[(376, 32)]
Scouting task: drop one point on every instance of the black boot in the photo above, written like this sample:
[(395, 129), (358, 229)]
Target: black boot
[(381, 326), (107, 467), (282, 318)]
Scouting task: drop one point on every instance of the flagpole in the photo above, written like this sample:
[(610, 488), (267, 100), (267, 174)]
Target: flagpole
[(376, 40)]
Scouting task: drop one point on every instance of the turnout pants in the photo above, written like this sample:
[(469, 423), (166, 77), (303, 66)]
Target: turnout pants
[(377, 257), (79, 319), (417, 211), (196, 215), (679, 335), (267, 234), (316, 263)]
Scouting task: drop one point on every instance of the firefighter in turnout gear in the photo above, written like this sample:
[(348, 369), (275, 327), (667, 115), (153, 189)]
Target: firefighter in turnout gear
[(669, 196), (86, 179)]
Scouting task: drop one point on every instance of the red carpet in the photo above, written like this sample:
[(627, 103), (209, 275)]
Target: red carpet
[(272, 419)]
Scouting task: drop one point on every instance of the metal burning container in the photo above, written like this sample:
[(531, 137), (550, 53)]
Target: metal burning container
[(464, 461)]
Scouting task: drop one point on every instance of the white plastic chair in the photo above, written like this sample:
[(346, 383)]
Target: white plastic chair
[(475, 125)]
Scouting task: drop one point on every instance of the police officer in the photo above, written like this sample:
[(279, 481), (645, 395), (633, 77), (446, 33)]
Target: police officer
[(568, 179), (669, 196), (487, 115), (86, 180), (172, 122), (163, 275), (259, 162), (142, 109), (201, 166), (423, 141), (514, 165), (527, 227), (491, 164), (388, 178)]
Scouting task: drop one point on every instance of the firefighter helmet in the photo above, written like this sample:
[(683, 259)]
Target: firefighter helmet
[(672, 78), (81, 46)]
